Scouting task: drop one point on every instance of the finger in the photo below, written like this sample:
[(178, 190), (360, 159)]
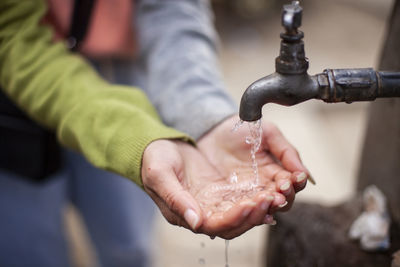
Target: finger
[(283, 181), (233, 233), (166, 186), (287, 205), (299, 181), (282, 149), (268, 172), (280, 203), (269, 219), (229, 219), (255, 218), (170, 216), (284, 186), (263, 200)]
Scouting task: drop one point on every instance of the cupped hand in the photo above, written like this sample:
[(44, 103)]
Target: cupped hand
[(279, 166), (192, 193)]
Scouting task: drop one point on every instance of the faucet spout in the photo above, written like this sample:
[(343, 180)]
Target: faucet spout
[(290, 84), (277, 88)]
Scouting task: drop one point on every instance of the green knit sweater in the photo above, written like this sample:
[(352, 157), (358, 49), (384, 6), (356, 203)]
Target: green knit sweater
[(110, 125)]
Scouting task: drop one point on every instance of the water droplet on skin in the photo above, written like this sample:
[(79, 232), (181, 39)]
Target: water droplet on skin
[(233, 178)]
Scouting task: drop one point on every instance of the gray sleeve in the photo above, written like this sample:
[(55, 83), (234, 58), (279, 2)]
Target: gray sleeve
[(178, 51)]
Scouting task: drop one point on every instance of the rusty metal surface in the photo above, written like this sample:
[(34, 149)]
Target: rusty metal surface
[(291, 84)]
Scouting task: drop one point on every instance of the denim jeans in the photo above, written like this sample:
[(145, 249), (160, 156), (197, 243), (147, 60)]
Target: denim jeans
[(115, 211)]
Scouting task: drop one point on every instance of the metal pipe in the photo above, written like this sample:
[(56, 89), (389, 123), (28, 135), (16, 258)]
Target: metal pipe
[(390, 84), (350, 85)]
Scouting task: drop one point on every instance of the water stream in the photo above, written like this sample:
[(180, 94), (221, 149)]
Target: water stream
[(254, 139), (226, 253), (234, 189)]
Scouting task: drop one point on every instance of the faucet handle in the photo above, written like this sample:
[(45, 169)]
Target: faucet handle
[(291, 16), (292, 59)]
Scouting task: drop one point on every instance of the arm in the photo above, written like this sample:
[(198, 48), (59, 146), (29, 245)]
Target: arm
[(178, 48), (110, 125)]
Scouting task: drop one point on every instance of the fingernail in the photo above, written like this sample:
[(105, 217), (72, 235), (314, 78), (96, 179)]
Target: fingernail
[(249, 203), (301, 177), (285, 186), (283, 204), (191, 218), (252, 204), (270, 198), (311, 179), (269, 219), (246, 212)]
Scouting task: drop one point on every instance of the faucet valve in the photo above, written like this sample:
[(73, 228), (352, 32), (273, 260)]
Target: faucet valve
[(291, 17), (292, 59)]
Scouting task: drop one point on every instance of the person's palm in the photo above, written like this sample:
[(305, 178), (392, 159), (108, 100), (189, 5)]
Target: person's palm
[(228, 208), (279, 167)]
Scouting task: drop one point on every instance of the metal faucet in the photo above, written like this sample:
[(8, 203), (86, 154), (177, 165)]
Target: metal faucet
[(291, 84)]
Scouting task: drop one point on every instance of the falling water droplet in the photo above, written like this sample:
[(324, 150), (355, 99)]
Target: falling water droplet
[(249, 140), (237, 126), (233, 178), (226, 253)]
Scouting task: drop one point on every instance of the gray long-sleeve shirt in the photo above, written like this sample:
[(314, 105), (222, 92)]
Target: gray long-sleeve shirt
[(177, 65)]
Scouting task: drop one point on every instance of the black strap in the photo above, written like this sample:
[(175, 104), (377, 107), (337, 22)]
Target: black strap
[(81, 16)]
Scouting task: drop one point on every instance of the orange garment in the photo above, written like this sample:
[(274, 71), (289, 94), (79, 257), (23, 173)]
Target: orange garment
[(110, 31)]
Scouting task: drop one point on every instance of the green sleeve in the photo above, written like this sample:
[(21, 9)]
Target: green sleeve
[(110, 125)]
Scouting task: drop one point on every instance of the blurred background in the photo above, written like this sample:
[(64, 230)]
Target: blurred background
[(338, 34)]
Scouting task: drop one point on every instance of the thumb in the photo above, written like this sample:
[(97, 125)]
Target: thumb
[(179, 200)]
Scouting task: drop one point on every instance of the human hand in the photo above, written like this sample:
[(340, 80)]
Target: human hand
[(280, 169), (186, 188), (164, 177)]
